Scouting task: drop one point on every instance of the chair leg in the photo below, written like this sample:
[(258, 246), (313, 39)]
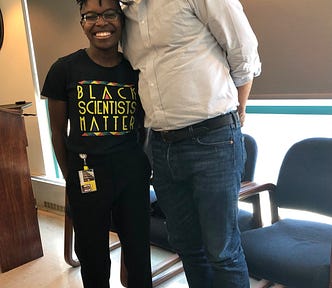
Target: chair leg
[(159, 279), (123, 272), (264, 283), (158, 276), (68, 243), (330, 282), (164, 265), (115, 245)]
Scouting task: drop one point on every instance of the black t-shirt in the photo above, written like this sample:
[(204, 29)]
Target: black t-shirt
[(104, 110)]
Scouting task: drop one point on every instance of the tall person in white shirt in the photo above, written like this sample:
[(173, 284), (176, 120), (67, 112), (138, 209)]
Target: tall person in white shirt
[(197, 60)]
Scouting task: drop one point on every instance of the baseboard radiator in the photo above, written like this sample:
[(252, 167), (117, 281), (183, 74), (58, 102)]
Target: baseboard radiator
[(49, 194)]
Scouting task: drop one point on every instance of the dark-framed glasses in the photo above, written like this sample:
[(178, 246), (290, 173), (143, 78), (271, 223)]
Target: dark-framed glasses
[(109, 15), (127, 2)]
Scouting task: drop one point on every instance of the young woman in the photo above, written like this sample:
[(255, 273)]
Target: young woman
[(95, 115)]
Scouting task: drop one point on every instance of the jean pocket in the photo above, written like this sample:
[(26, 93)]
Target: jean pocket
[(219, 137)]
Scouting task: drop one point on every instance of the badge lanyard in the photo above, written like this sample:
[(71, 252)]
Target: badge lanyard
[(87, 177)]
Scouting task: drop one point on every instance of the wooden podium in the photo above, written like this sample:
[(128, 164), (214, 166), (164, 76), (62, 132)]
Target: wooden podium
[(20, 240)]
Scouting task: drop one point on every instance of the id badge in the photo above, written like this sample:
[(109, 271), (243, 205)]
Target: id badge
[(87, 181)]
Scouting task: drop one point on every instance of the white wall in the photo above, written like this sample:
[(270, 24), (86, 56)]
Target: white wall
[(16, 76), (276, 133), (56, 31)]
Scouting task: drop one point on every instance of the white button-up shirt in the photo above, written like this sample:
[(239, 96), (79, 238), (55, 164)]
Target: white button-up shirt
[(192, 54)]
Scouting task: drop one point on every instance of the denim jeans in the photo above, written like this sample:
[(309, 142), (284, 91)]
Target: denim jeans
[(197, 181)]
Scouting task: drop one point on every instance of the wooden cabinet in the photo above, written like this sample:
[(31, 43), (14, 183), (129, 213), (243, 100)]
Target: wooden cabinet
[(20, 240)]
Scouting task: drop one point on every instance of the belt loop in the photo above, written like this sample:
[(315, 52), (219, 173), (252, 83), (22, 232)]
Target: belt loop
[(191, 131), (236, 118)]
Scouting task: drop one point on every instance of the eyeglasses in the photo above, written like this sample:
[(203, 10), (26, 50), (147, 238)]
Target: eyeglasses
[(127, 2), (109, 15)]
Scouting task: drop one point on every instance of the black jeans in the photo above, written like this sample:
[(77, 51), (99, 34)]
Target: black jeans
[(122, 181)]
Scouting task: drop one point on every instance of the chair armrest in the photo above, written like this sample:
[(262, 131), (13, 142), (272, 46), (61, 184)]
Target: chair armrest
[(252, 190), (249, 189)]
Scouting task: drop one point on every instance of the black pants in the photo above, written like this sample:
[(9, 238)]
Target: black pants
[(122, 195)]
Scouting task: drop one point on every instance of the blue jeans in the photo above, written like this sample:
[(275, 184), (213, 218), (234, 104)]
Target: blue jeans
[(197, 181)]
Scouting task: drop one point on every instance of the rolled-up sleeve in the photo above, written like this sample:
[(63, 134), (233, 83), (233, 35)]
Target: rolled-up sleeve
[(229, 25)]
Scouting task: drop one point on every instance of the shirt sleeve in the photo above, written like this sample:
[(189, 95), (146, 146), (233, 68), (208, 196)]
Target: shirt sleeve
[(229, 25), (55, 82)]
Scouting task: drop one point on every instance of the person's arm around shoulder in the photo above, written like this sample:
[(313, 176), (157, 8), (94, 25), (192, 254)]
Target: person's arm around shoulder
[(59, 123)]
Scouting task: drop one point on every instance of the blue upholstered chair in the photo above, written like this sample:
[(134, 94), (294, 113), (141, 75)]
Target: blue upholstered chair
[(248, 220), (295, 253)]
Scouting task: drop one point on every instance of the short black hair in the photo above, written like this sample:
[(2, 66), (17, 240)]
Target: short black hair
[(81, 3)]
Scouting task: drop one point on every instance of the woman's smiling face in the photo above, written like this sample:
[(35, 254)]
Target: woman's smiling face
[(102, 23)]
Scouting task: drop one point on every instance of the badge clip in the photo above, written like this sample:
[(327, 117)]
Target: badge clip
[(87, 177)]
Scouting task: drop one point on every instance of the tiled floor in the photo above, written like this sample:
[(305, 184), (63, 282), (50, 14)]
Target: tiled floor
[(51, 271)]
